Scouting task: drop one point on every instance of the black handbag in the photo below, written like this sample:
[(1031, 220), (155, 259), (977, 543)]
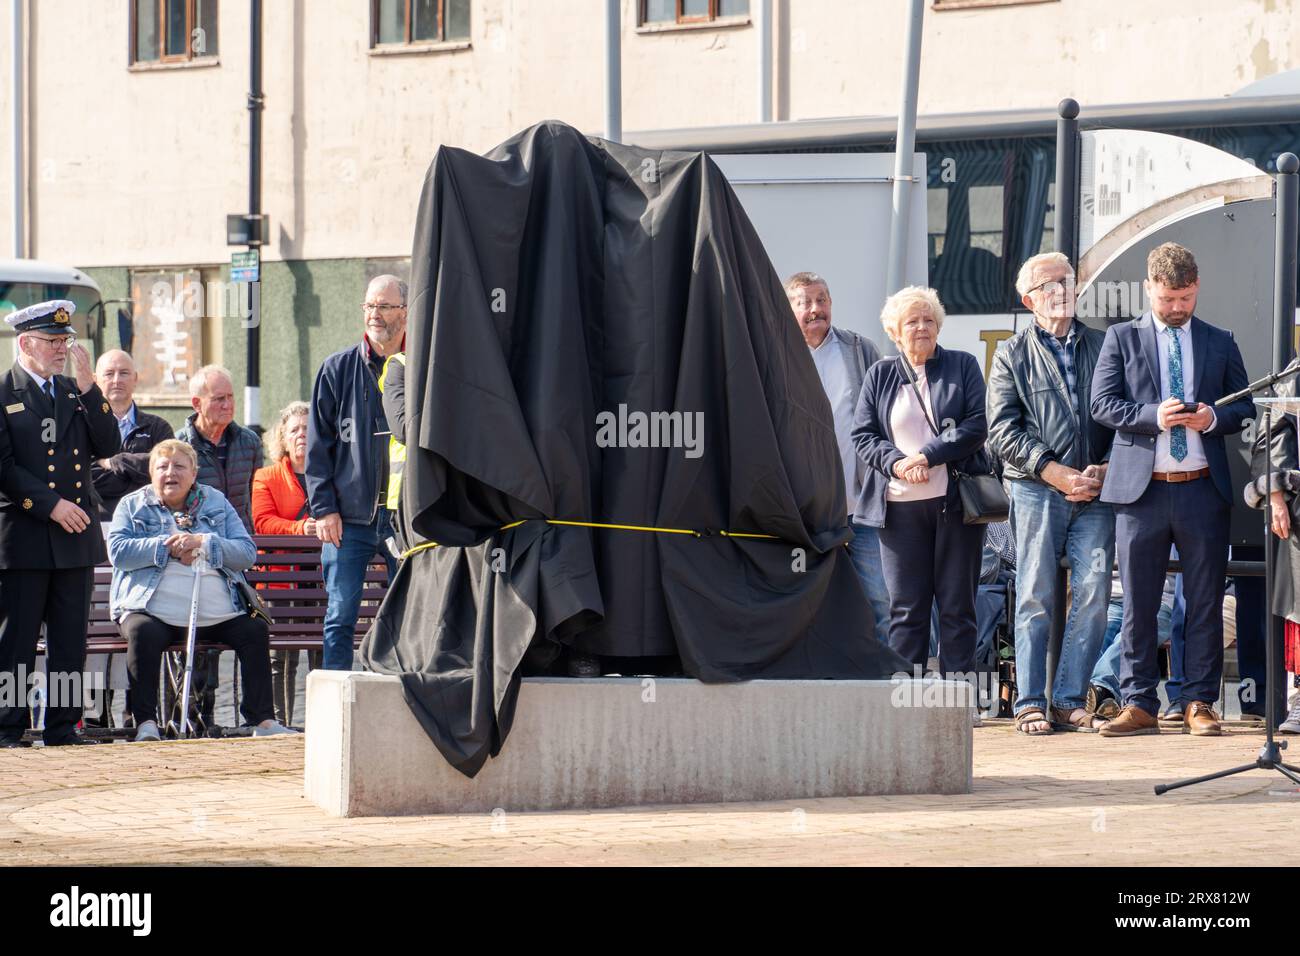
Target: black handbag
[(252, 600), (983, 499)]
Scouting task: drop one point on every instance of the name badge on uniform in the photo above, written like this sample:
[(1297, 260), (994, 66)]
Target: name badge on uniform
[(16, 407)]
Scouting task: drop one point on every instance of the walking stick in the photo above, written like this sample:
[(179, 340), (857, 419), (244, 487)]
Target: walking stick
[(190, 638)]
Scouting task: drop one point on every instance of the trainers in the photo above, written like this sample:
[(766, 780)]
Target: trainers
[(1292, 723), (147, 731), (275, 728)]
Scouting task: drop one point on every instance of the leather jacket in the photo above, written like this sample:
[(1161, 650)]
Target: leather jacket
[(1031, 419)]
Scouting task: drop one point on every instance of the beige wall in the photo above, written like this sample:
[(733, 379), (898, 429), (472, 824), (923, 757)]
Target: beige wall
[(1033, 54), (6, 119), (140, 168)]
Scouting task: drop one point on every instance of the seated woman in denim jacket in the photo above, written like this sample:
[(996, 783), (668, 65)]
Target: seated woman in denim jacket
[(153, 582)]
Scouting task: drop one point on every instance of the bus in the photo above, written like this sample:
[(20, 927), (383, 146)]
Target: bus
[(991, 191)]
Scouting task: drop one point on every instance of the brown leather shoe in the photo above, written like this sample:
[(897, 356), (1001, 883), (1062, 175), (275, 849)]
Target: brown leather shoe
[(1200, 720), (1132, 721)]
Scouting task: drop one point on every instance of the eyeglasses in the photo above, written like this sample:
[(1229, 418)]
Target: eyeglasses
[(1063, 284), (56, 341), (379, 307)]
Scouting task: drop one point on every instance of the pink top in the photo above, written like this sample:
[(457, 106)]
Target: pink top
[(911, 434)]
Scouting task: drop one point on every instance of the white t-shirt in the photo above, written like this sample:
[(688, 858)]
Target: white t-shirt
[(170, 602)]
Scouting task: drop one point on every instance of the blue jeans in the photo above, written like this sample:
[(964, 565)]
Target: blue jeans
[(1106, 673), (864, 551), (344, 566), (1047, 528)]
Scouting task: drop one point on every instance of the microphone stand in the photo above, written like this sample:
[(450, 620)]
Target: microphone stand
[(1270, 756)]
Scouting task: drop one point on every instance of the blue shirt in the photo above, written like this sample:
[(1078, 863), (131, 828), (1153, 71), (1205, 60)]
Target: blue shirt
[(126, 424)]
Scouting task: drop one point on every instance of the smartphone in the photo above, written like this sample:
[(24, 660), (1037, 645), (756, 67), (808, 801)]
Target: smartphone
[(1189, 408)]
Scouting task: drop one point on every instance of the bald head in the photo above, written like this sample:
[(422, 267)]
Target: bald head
[(116, 377)]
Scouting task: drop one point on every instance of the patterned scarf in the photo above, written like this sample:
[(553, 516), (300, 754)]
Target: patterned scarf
[(189, 510)]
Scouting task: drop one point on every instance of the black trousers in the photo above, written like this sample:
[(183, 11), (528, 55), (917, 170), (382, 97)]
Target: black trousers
[(59, 599), (929, 555), (147, 638)]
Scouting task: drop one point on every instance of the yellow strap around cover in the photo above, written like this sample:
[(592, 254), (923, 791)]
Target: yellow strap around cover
[(616, 527)]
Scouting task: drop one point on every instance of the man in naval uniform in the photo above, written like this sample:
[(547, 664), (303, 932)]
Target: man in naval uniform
[(54, 428)]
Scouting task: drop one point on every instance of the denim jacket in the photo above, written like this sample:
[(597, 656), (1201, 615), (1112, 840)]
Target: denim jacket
[(136, 549)]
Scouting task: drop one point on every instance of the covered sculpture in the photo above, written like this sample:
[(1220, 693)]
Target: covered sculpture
[(569, 296)]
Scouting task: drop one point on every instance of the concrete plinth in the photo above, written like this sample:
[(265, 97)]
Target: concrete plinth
[(616, 742)]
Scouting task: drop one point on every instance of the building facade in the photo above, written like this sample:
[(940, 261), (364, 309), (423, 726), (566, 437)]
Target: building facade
[(135, 126)]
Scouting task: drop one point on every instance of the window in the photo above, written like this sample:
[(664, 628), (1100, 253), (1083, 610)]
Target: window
[(691, 11), (418, 21), (173, 31), (175, 325)]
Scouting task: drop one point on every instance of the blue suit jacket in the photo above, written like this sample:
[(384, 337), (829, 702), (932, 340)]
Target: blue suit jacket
[(957, 398), (1126, 393)]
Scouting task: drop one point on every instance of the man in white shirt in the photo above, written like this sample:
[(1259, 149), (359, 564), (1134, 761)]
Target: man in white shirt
[(842, 358)]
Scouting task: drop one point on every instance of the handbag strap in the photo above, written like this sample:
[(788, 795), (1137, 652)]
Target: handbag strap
[(910, 375)]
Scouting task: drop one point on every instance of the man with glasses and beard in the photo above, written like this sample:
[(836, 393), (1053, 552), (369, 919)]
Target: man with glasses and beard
[(347, 463), (50, 542)]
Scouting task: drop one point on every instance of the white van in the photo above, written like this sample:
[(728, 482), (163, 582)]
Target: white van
[(25, 282)]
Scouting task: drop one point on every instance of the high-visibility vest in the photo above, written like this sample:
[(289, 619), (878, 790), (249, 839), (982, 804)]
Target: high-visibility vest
[(396, 450)]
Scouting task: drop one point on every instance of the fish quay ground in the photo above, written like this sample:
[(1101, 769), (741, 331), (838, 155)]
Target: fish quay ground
[(1065, 799)]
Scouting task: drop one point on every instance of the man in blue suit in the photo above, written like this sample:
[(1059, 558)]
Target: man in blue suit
[(1155, 383)]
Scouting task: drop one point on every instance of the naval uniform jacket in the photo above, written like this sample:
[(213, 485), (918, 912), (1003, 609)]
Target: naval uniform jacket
[(45, 455)]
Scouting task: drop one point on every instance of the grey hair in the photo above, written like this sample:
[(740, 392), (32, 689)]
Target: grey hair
[(801, 279), (391, 280), (199, 383), (1028, 271)]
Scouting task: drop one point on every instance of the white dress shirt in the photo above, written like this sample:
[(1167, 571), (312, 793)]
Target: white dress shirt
[(1195, 459), (40, 382)]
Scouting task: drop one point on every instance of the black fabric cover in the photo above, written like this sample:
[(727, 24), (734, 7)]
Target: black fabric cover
[(555, 278)]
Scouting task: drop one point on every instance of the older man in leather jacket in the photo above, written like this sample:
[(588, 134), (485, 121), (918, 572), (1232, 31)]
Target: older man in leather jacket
[(1055, 455)]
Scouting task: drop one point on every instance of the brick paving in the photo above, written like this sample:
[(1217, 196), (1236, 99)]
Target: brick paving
[(1066, 799)]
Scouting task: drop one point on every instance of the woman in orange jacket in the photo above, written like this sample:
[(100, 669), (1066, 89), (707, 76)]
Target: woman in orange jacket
[(280, 507)]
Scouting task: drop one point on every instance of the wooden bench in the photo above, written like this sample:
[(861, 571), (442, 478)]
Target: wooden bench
[(297, 611)]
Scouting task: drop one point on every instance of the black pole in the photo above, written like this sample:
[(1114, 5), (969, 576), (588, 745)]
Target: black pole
[(1065, 232), (1066, 225), (253, 372), (1284, 296)]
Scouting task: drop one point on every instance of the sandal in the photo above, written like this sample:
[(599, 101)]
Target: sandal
[(1030, 716), (1076, 719)]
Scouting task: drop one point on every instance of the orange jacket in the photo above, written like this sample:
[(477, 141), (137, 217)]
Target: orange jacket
[(278, 500)]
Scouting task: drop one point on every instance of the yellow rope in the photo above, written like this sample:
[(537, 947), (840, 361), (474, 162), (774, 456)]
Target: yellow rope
[(616, 527)]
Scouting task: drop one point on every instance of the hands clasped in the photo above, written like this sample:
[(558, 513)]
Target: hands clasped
[(185, 547), (914, 469)]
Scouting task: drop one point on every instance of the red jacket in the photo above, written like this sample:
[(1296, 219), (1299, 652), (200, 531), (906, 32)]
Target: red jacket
[(278, 500)]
